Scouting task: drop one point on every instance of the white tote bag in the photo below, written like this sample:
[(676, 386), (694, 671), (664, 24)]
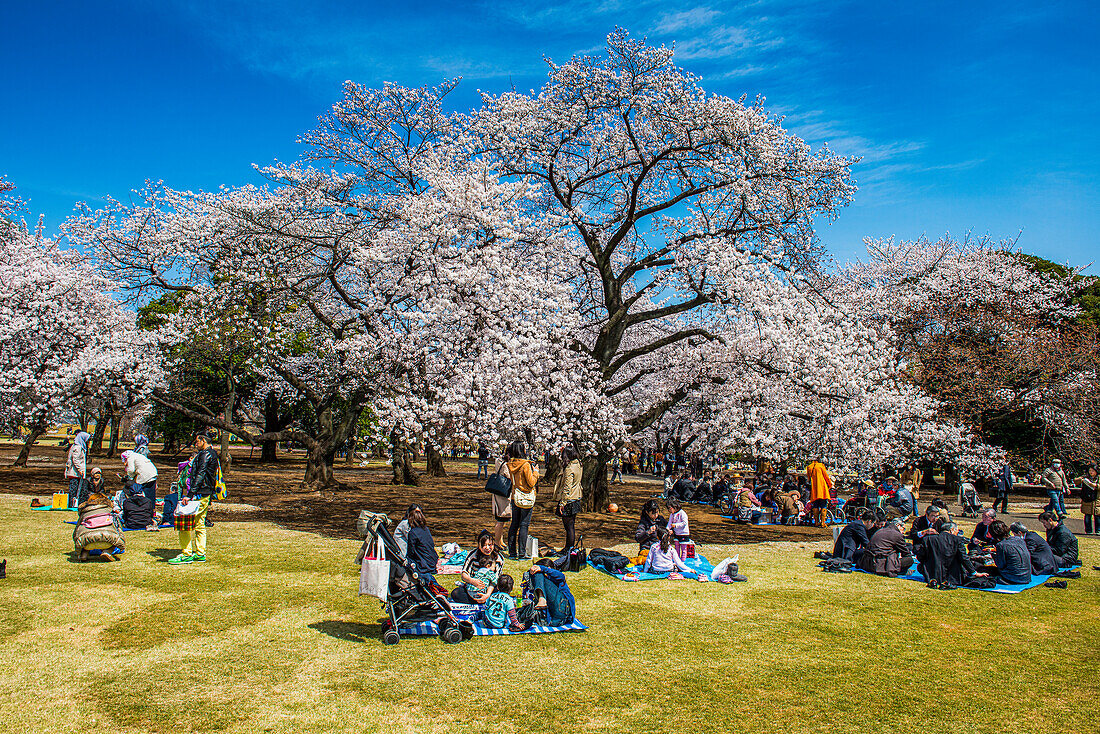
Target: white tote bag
[(374, 576)]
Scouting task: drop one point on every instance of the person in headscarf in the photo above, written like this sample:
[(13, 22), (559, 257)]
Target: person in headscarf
[(141, 445), (142, 472), (76, 468)]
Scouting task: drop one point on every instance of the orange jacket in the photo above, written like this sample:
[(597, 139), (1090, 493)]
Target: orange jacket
[(820, 481)]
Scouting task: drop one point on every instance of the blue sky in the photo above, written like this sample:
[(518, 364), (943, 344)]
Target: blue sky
[(973, 116)]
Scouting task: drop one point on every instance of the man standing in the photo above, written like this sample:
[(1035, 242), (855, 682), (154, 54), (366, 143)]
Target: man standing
[(1056, 484), (204, 479), (1004, 482), (821, 484), (482, 460), (1061, 541)]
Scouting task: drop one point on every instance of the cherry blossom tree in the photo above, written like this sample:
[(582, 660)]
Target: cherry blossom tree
[(58, 330), (676, 201)]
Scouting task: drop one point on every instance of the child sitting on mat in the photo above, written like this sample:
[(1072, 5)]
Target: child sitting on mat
[(677, 520), (663, 558), (500, 608)]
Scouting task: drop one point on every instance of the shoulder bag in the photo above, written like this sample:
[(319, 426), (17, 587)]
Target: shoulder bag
[(499, 484)]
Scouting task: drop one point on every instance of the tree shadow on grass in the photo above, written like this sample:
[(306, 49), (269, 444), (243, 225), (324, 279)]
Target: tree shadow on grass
[(349, 631), (163, 554)]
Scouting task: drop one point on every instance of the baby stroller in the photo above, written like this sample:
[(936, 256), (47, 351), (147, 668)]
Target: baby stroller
[(411, 598), (969, 501)]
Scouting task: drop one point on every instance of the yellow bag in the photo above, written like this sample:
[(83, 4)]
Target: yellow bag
[(60, 500)]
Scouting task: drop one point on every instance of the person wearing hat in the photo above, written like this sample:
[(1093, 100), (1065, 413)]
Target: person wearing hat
[(1055, 482)]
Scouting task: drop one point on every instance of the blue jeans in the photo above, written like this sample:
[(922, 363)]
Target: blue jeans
[(168, 515), (149, 489), (482, 466), (1057, 502)]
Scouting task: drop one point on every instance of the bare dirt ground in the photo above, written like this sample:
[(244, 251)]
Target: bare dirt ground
[(457, 506)]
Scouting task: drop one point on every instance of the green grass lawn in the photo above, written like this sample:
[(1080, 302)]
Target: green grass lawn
[(270, 636)]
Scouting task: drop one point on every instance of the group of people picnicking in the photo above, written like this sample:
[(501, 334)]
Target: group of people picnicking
[(996, 551), (103, 514)]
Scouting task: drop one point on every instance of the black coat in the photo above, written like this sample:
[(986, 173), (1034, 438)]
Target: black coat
[(204, 473), (1064, 545), (421, 550), (1013, 560), (943, 557), (1042, 557), (643, 536), (137, 511), (982, 534), (684, 489), (851, 541)]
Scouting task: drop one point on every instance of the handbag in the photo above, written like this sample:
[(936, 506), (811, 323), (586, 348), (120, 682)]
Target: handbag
[(499, 484), (374, 574)]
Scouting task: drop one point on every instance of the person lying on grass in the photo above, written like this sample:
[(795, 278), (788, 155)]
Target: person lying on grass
[(475, 588), (663, 557), (547, 598)]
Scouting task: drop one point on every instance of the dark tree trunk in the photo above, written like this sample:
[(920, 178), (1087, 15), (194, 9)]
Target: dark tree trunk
[(403, 471), (332, 432), (270, 449), (82, 417), (553, 469), (594, 483), (96, 447), (37, 429), (319, 469), (227, 416), (112, 447), (350, 445), (435, 461)]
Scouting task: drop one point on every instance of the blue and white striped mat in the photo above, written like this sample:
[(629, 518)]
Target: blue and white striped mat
[(430, 628)]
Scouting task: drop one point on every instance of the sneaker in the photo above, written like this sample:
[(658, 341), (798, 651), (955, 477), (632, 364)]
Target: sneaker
[(4, 569), (198, 558), (180, 559)]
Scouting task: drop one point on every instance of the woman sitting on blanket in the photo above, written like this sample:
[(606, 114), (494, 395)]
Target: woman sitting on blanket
[(480, 572), (663, 558), (677, 520), (649, 526)]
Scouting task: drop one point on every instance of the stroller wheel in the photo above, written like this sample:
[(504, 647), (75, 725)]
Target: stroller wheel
[(390, 637), (452, 635)]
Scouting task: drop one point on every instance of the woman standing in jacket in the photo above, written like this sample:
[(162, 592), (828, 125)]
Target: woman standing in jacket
[(502, 506), (76, 467), (1090, 501), (567, 492), (525, 476)]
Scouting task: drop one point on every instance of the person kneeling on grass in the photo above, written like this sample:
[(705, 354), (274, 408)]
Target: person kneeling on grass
[(202, 481), (663, 557), (1062, 542)]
